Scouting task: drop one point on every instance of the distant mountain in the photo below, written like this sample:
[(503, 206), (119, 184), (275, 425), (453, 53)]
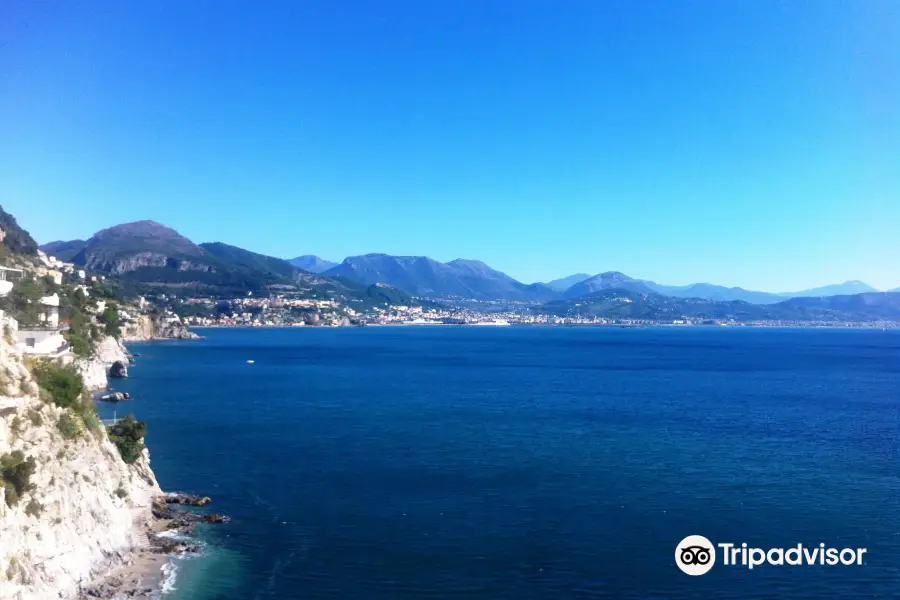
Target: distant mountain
[(234, 256), (837, 289), (125, 248), (564, 283), (867, 306), (153, 256), (423, 276), (621, 303), (14, 238), (611, 280), (708, 291), (312, 263), (64, 251)]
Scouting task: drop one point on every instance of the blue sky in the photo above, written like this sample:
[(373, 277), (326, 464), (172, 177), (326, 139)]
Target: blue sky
[(751, 143)]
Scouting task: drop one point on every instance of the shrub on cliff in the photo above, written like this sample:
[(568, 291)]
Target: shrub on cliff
[(110, 320), (68, 426), (128, 436), (61, 384), (80, 335), (15, 475), (34, 508), (23, 301), (73, 306)]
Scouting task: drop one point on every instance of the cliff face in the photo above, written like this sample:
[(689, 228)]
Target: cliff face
[(121, 266), (132, 246), (85, 507), (156, 327), (95, 369)]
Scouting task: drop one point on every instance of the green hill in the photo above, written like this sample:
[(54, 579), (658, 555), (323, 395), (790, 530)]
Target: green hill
[(146, 257), (626, 304), (16, 239)]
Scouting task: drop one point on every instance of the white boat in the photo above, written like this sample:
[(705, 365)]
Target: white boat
[(250, 362), (421, 321)]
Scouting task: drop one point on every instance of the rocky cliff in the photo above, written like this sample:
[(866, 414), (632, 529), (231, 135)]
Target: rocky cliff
[(95, 370), (142, 244), (156, 327), (83, 509)]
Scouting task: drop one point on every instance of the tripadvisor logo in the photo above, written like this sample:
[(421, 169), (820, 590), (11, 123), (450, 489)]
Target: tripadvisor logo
[(696, 555)]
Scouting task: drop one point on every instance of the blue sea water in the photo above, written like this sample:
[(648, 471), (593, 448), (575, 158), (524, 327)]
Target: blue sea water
[(520, 463)]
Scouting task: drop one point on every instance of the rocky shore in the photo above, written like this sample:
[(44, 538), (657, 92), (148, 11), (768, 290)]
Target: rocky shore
[(145, 328), (76, 519), (141, 572)]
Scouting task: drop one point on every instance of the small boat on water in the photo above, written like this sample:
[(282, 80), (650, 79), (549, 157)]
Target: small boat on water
[(250, 362), (114, 396)]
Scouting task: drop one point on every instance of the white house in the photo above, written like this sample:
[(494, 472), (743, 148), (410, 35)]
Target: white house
[(41, 342), (7, 276), (50, 310)]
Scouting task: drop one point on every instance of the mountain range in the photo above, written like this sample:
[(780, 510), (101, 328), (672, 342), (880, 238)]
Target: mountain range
[(838, 289), (584, 284), (472, 279), (423, 276), (148, 252), (628, 304), (155, 256), (564, 283), (312, 263)]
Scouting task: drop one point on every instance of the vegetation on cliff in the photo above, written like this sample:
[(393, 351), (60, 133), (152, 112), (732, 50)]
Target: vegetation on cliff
[(63, 386), (128, 436), (16, 240), (109, 318), (23, 301), (15, 475), (81, 334)]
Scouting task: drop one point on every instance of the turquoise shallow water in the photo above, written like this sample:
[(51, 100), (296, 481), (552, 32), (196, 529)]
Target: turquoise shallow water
[(526, 462)]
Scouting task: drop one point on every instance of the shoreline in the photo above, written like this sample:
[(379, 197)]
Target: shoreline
[(847, 325), (140, 575), (145, 570)]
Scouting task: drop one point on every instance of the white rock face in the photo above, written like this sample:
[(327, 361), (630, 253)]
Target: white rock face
[(109, 350), (144, 327), (92, 503), (94, 371)]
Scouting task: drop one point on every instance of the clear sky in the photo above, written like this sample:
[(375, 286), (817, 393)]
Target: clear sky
[(752, 143)]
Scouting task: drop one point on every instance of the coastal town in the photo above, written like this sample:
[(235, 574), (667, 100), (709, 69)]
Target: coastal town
[(287, 309), (284, 311)]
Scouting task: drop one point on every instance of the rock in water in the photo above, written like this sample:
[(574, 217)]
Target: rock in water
[(118, 369), (187, 499)]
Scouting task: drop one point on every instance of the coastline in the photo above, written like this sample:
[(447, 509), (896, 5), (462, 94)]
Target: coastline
[(141, 575), (146, 571), (748, 325)]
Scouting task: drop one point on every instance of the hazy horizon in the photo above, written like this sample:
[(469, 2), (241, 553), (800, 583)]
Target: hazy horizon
[(752, 145)]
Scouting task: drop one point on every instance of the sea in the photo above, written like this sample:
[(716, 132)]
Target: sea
[(525, 462)]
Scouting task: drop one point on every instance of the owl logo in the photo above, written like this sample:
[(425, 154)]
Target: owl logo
[(695, 555)]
